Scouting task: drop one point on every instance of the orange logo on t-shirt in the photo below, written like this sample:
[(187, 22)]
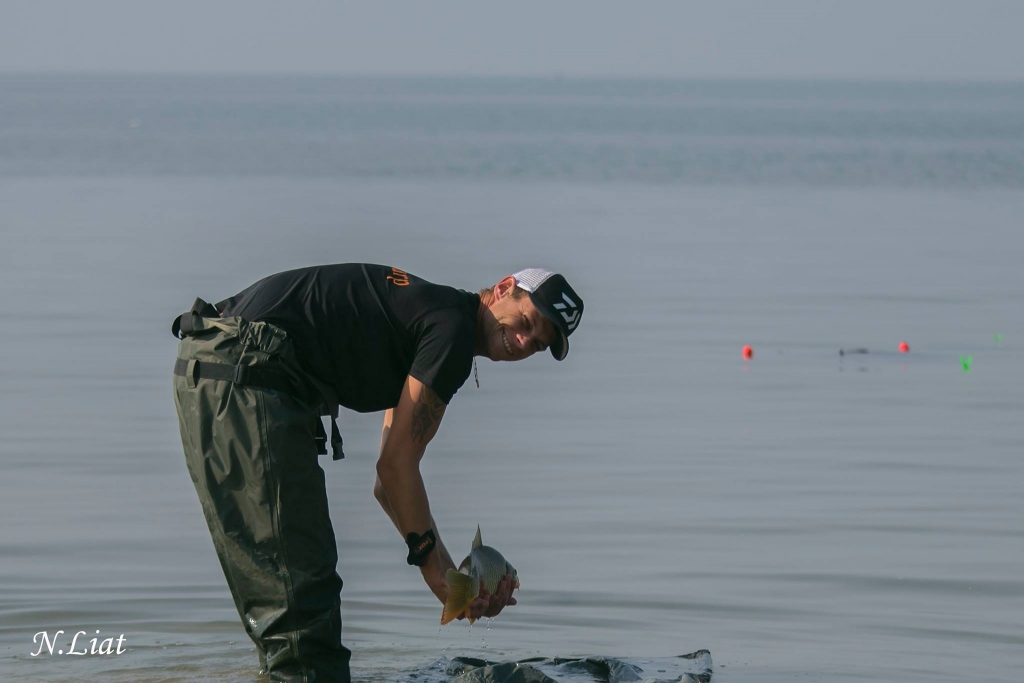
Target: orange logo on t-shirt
[(399, 277)]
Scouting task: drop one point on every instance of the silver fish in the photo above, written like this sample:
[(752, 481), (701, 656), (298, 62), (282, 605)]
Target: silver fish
[(483, 562)]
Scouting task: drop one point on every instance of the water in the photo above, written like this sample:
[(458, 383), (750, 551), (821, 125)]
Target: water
[(801, 515)]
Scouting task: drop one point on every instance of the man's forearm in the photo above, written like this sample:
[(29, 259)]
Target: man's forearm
[(385, 504), (406, 496), (407, 429), (382, 497), (401, 475)]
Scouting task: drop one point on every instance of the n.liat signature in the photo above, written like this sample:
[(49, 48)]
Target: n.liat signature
[(97, 646)]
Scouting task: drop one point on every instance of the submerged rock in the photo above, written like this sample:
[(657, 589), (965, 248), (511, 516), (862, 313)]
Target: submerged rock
[(695, 667), (506, 672)]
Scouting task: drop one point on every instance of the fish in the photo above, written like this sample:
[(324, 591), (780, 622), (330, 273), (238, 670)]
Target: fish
[(483, 562)]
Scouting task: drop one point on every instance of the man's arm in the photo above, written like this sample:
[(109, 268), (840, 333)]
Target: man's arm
[(414, 422), (382, 498), (399, 489)]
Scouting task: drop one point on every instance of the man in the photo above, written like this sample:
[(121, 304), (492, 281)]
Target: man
[(255, 372)]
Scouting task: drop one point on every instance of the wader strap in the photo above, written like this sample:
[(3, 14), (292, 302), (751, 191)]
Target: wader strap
[(336, 443), (184, 325), (321, 437), (250, 375)]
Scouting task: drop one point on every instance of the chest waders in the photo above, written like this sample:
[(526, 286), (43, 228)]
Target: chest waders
[(251, 432)]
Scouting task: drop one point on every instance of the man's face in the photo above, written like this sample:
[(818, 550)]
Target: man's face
[(514, 328)]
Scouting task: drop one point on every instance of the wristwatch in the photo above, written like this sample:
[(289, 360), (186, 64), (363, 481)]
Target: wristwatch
[(420, 546)]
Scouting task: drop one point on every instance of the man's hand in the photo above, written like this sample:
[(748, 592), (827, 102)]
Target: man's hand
[(488, 605), (485, 605)]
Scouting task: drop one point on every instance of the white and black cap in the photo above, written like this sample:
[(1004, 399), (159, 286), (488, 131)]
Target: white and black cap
[(556, 300)]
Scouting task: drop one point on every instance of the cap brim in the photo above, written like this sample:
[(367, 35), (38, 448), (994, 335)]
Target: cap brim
[(560, 345), (563, 342)]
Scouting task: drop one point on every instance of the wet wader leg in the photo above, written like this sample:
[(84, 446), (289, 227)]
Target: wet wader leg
[(312, 626), (252, 457), (208, 471)]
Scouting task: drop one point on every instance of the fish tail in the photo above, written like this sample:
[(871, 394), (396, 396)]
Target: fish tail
[(464, 590)]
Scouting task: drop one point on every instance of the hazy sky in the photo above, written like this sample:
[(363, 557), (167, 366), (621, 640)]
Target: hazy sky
[(861, 39)]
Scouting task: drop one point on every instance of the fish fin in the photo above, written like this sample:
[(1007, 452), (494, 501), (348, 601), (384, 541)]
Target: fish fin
[(464, 590), (476, 541)]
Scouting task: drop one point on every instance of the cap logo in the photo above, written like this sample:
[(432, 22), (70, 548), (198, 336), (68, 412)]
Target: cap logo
[(570, 312)]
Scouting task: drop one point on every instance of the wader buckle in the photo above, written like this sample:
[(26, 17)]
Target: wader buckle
[(192, 374), (185, 325), (241, 374)]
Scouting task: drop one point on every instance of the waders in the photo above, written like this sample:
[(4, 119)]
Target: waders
[(251, 431)]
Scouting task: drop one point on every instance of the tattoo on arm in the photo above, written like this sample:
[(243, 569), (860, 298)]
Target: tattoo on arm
[(427, 413)]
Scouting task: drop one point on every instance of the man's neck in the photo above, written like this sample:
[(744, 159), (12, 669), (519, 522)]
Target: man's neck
[(480, 339)]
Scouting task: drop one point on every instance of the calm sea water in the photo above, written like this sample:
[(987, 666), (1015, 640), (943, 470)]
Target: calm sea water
[(804, 516)]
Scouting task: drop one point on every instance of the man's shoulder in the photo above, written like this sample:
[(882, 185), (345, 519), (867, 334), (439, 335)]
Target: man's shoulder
[(428, 296)]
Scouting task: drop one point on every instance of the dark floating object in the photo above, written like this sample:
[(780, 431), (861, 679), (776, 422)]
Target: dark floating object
[(844, 352)]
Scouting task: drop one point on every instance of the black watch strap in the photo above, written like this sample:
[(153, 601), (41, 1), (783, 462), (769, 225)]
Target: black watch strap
[(420, 546)]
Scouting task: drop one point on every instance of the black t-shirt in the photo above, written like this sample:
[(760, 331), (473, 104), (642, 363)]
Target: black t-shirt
[(363, 328)]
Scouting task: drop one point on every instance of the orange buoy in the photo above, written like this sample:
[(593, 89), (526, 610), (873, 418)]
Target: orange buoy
[(748, 353), (904, 347)]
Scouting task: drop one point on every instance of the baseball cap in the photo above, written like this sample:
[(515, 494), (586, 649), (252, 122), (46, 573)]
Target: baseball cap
[(556, 300)]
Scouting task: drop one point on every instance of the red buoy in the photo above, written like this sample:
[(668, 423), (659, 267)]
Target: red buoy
[(748, 353), (904, 347)]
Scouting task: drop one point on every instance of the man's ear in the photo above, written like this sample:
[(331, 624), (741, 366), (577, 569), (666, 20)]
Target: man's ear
[(504, 286)]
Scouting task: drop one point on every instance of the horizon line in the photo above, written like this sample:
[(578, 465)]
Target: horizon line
[(851, 80)]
